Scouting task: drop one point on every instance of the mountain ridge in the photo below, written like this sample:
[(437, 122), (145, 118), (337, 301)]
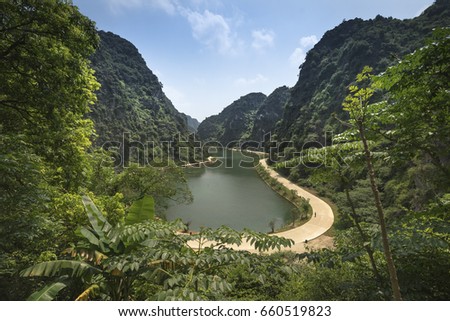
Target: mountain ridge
[(269, 113), (339, 56), (234, 122), (131, 98)]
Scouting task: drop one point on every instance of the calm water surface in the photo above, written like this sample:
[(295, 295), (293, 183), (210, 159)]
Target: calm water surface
[(235, 196)]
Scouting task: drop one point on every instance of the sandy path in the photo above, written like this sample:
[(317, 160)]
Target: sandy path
[(316, 226), (312, 231)]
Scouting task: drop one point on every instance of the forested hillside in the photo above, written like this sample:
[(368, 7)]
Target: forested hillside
[(131, 98), (248, 118), (192, 124), (339, 56), (76, 226), (47, 161), (269, 113), (234, 123), (389, 175)]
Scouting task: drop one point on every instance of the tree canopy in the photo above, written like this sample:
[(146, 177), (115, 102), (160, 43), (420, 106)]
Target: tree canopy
[(74, 227)]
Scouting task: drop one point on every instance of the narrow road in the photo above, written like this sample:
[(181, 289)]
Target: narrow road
[(312, 231), (316, 226)]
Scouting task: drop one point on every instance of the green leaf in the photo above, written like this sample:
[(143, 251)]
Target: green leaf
[(47, 293), (141, 210), (96, 218), (89, 236), (59, 267)]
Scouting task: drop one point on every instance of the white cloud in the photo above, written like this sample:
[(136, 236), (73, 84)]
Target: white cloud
[(206, 3), (308, 42), (168, 6), (263, 39), (209, 28), (212, 30), (298, 56), (241, 82)]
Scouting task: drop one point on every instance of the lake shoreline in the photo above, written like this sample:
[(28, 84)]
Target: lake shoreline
[(316, 226), (322, 212), (230, 193), (210, 161)]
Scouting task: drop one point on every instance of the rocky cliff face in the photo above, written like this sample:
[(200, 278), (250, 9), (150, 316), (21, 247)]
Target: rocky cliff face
[(192, 124), (131, 99), (269, 113), (234, 123), (331, 66), (248, 118)]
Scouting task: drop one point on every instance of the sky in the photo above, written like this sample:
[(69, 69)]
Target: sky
[(209, 53)]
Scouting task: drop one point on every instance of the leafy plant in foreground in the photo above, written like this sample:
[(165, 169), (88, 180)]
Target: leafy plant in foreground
[(111, 261)]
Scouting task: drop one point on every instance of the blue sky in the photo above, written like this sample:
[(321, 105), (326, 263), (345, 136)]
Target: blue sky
[(208, 53)]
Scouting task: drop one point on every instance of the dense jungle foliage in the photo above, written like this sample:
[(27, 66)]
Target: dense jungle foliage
[(339, 56), (75, 227)]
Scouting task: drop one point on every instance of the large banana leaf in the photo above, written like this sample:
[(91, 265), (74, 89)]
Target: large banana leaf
[(48, 292), (96, 218), (89, 236), (60, 267), (141, 210), (102, 233), (87, 254)]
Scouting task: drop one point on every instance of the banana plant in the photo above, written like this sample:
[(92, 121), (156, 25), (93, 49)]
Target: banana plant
[(47, 293), (141, 210), (91, 259), (109, 260)]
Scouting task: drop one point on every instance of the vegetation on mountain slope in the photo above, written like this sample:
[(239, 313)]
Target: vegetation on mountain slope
[(269, 113), (47, 163), (73, 226), (247, 119), (131, 98), (390, 154), (234, 122), (192, 124), (338, 57)]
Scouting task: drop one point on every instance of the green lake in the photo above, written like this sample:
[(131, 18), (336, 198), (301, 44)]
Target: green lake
[(231, 195)]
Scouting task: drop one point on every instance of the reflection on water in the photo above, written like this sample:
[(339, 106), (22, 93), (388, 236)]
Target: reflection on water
[(231, 195)]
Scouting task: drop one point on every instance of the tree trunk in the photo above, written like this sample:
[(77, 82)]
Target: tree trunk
[(364, 238), (376, 194)]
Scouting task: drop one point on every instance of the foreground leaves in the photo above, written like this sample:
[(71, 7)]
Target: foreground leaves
[(47, 293), (111, 262)]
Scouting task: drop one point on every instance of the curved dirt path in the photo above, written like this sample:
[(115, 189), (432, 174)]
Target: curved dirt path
[(319, 223), (312, 231)]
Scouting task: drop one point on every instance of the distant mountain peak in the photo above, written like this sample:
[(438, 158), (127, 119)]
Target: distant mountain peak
[(247, 118), (233, 122)]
